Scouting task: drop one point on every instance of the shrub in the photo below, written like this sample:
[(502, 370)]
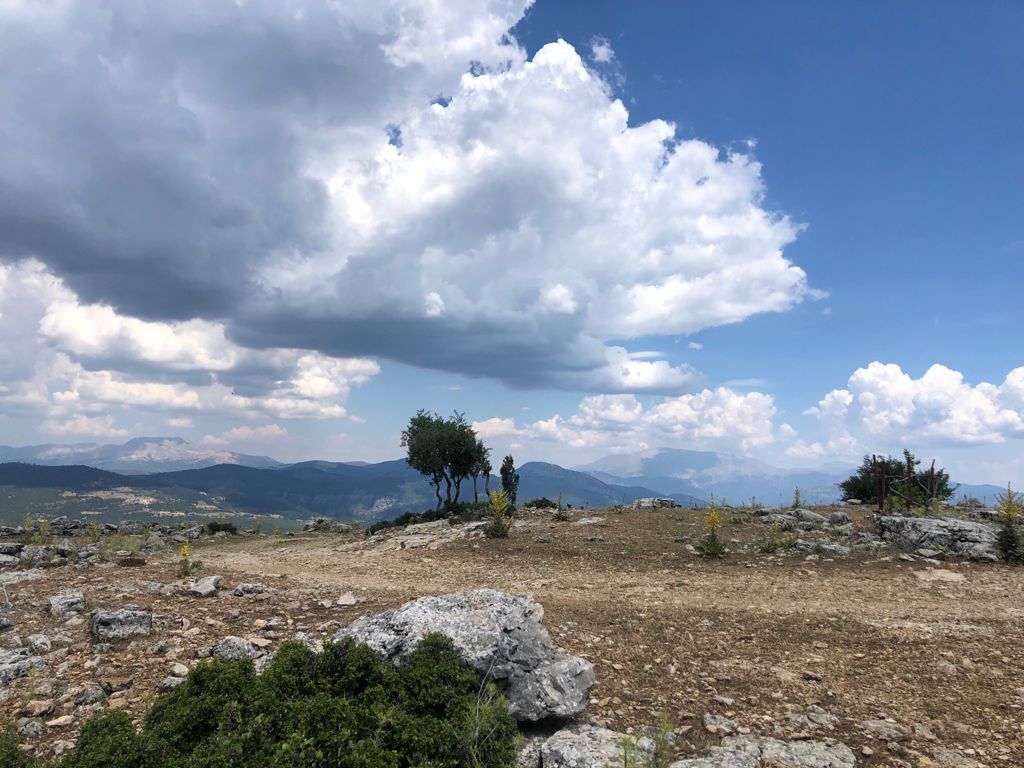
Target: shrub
[(774, 540), (345, 707), (711, 545), (1008, 539), (186, 566), (220, 526), (561, 515), (10, 754), (501, 519)]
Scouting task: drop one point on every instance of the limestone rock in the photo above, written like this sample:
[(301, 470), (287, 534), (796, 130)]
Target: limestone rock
[(207, 586), (247, 590), (17, 663), (966, 538), (67, 602), (588, 746), (120, 624), (655, 503), (498, 635), (764, 752)]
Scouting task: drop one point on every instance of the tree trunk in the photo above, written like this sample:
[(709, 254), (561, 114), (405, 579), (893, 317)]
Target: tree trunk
[(476, 495), (448, 489), (458, 488), (437, 492), (487, 484)]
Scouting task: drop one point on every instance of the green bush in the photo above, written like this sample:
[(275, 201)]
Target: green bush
[(10, 755), (500, 520), (543, 502), (218, 526), (344, 708)]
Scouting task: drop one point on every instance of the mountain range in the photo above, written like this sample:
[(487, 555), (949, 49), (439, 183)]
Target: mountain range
[(138, 456), (360, 490)]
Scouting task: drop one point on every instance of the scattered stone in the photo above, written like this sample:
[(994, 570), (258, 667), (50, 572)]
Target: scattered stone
[(233, 648), (719, 724), (60, 722), (67, 602), (94, 694), (170, 683), (17, 663), (838, 518), (883, 730), (30, 728), (120, 624), (208, 586), (248, 590), (497, 634), (951, 758), (37, 708), (596, 539), (113, 683), (940, 574), (837, 550), (807, 516), (39, 643)]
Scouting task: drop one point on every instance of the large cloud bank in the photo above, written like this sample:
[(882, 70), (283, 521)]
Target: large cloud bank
[(267, 196)]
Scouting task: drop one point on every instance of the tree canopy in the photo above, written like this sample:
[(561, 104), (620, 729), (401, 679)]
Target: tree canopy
[(888, 476), (445, 450), (509, 479)]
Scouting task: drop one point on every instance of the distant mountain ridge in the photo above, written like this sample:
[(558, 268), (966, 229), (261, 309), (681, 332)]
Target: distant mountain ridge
[(137, 456), (341, 490), (262, 485), (727, 477)]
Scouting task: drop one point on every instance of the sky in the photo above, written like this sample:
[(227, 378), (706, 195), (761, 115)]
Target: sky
[(791, 231)]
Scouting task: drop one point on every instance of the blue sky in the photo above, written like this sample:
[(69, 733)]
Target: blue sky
[(234, 253)]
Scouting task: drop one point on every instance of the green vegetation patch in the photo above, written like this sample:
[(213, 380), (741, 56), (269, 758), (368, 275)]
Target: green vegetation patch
[(344, 708)]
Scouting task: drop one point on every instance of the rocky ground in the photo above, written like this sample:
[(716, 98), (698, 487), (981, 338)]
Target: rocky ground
[(811, 629)]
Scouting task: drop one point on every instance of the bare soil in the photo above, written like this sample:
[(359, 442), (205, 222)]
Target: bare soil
[(933, 647)]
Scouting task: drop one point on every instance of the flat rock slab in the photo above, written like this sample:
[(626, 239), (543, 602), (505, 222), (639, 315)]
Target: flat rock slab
[(763, 752), (588, 746), (499, 635), (964, 538)]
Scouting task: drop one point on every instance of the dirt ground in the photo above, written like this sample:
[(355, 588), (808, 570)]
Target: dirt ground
[(765, 640)]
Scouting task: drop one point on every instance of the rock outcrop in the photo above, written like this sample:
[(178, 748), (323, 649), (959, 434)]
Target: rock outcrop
[(764, 752), (120, 624), (499, 635), (588, 746), (963, 538)]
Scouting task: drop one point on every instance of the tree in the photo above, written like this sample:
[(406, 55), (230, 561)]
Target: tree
[(423, 441), (445, 450), (486, 469), (878, 479), (509, 479), (481, 466)]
